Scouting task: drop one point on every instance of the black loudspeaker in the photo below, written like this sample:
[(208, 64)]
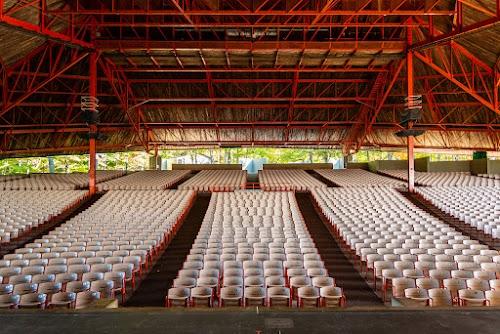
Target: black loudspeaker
[(95, 135), (90, 117), (409, 133), (411, 115)]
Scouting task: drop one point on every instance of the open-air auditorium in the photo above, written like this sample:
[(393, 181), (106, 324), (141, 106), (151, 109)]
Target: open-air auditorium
[(200, 243)]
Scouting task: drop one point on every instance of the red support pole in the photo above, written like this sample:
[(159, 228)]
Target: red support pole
[(410, 139), (156, 158), (93, 127), (459, 18)]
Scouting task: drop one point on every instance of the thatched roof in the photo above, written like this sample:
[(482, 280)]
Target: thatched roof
[(182, 105)]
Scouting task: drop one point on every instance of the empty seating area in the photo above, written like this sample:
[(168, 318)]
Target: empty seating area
[(4, 178), (288, 180), (408, 253), (216, 180), (253, 249), (456, 179), (358, 178), (21, 211), (476, 206), (146, 180), (57, 181), (97, 254), (490, 176)]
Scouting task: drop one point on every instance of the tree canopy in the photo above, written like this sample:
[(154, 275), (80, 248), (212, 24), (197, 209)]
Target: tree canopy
[(133, 161)]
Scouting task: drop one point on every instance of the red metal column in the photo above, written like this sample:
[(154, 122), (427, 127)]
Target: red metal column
[(93, 127), (156, 158), (459, 16), (410, 139)]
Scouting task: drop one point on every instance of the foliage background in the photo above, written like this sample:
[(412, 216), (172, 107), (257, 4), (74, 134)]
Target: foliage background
[(140, 160)]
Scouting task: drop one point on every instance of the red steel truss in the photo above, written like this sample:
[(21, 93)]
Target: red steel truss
[(45, 65), (58, 27), (205, 39), (93, 127), (464, 70), (368, 113), (123, 91)]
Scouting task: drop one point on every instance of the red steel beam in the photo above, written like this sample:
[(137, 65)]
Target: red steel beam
[(433, 147), (306, 14), (40, 30), (93, 127), (293, 99), (182, 12), (456, 34), (265, 90), (79, 149), (155, 80), (253, 70), (350, 141), (150, 45), (368, 114), (236, 45), (474, 5), (410, 140), (56, 71), (267, 106), (23, 129), (123, 91), (252, 99), (246, 81), (450, 76), (243, 25), (458, 54), (328, 144), (252, 13)]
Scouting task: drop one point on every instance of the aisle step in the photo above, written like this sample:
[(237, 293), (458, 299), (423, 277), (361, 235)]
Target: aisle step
[(154, 286), (356, 289)]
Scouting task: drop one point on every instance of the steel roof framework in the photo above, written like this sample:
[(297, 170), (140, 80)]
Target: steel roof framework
[(290, 93)]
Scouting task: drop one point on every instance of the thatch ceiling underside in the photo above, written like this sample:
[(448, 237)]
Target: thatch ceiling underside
[(264, 107)]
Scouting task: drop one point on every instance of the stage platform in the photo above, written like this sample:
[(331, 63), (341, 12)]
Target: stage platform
[(252, 320)]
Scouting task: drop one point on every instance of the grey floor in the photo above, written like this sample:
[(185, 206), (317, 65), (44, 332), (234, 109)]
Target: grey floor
[(150, 321)]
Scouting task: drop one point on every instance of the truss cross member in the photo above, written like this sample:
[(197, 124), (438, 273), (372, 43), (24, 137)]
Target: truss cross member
[(93, 127), (410, 139)]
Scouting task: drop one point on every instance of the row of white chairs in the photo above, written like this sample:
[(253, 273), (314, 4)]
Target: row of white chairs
[(455, 179), (452, 286), (57, 181), (105, 278), (476, 206), (237, 255), (4, 178), (20, 211), (108, 245), (216, 180), (490, 176), (443, 297), (358, 178), (76, 300), (272, 296), (145, 180), (439, 274), (288, 180), (393, 238)]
